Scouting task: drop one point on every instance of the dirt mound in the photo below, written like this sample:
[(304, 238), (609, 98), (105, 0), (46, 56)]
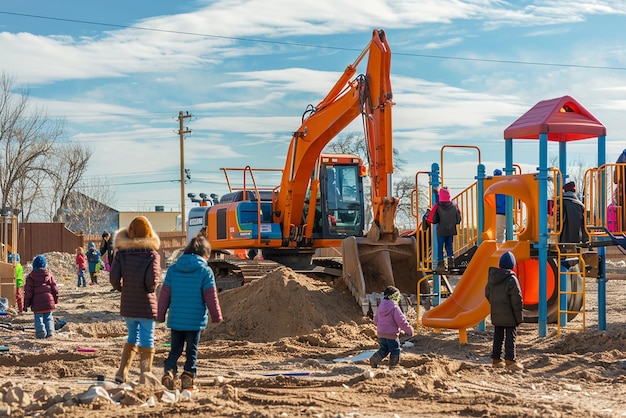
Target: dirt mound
[(282, 304)]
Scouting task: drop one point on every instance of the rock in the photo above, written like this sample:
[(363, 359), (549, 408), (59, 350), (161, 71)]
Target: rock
[(94, 393), (16, 396)]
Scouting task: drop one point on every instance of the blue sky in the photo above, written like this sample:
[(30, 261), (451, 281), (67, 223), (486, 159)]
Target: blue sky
[(462, 71)]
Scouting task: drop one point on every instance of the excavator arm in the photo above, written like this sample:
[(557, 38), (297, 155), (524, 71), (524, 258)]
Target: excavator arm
[(368, 95)]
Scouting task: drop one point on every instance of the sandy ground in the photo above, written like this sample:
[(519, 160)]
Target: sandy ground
[(276, 354)]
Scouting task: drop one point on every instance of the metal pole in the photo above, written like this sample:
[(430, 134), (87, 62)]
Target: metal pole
[(181, 133)]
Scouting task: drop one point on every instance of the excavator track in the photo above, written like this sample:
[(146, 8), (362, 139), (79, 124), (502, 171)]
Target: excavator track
[(235, 272)]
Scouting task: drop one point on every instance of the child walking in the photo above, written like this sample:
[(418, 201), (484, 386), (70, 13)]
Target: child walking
[(505, 297), (93, 259), (41, 294), (81, 264), (447, 217), (188, 293), (389, 321)]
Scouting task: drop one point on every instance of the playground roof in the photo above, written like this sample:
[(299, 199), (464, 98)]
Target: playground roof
[(563, 119)]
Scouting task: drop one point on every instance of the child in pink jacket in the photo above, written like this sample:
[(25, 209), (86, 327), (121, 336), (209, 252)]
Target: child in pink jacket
[(390, 320)]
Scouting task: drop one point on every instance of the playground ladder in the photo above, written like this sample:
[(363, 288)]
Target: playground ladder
[(564, 252)]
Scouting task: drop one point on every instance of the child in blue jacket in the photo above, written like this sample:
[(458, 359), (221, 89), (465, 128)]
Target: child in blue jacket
[(188, 293), (93, 259)]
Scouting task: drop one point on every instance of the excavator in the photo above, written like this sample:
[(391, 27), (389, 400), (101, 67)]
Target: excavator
[(320, 201)]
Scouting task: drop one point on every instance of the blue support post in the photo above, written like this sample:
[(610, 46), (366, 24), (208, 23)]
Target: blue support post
[(562, 277), (435, 184), (602, 250), (543, 233), (480, 207), (509, 171)]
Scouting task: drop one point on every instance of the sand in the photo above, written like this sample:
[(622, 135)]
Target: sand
[(275, 355)]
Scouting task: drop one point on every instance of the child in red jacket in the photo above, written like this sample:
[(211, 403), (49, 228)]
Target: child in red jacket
[(81, 264)]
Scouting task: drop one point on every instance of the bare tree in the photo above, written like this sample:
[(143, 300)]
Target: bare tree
[(72, 159), (27, 135)]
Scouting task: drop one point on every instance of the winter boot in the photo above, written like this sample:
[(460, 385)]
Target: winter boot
[(375, 360), (186, 380), (513, 366), (394, 361), (128, 354), (146, 356), (441, 266), (168, 379), (497, 363)]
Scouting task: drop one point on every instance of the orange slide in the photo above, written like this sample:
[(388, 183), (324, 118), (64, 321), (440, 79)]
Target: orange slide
[(467, 305)]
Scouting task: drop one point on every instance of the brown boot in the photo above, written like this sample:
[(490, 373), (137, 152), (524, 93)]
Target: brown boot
[(513, 366), (394, 361), (168, 379), (186, 380), (128, 354), (375, 360), (497, 363), (146, 356)]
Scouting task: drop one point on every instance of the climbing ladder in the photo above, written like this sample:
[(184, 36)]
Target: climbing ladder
[(572, 288)]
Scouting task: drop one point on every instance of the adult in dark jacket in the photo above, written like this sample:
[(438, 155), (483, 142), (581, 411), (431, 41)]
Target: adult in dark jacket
[(505, 297), (447, 217), (41, 295), (136, 272), (106, 249), (573, 226), (187, 295)]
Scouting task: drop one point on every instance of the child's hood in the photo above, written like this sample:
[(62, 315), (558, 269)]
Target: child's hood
[(386, 307), (188, 263), (498, 275), (40, 276)]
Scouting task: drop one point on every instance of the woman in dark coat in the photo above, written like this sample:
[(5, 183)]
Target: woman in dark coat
[(136, 272)]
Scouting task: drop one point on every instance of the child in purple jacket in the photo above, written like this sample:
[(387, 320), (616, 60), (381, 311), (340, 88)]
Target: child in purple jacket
[(389, 321), (41, 295)]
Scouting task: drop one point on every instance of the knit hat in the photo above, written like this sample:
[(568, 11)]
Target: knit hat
[(105, 234), (497, 172), (91, 245), (507, 261), (140, 227), (39, 262), (569, 187), (392, 293), (444, 195)]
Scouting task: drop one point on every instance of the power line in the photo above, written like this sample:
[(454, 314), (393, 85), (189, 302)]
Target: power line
[(300, 44)]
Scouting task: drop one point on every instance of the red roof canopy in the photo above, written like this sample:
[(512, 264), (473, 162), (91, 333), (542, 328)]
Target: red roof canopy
[(563, 119)]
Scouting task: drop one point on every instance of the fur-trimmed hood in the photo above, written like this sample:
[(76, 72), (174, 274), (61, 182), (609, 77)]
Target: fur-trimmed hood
[(124, 242)]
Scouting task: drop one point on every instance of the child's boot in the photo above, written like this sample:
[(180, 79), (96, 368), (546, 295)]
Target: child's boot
[(186, 380), (394, 361), (128, 353), (497, 363), (168, 379), (441, 266), (375, 360), (513, 366)]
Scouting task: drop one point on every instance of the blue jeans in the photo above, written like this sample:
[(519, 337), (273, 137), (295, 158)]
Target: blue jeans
[(387, 346), (81, 279), (178, 340), (44, 325), (444, 242), (140, 331)]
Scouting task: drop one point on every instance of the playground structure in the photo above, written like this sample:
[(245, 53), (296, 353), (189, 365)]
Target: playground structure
[(8, 245), (552, 275)]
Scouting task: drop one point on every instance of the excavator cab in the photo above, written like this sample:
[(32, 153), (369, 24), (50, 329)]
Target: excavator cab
[(340, 207)]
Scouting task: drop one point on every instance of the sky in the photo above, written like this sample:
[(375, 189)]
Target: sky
[(118, 73)]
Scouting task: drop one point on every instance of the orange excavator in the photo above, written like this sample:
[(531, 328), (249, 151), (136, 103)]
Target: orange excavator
[(320, 200)]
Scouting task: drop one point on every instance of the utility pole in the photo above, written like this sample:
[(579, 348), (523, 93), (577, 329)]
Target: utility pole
[(181, 132)]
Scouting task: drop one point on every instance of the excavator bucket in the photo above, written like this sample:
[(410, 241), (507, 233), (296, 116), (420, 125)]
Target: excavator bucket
[(370, 266)]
